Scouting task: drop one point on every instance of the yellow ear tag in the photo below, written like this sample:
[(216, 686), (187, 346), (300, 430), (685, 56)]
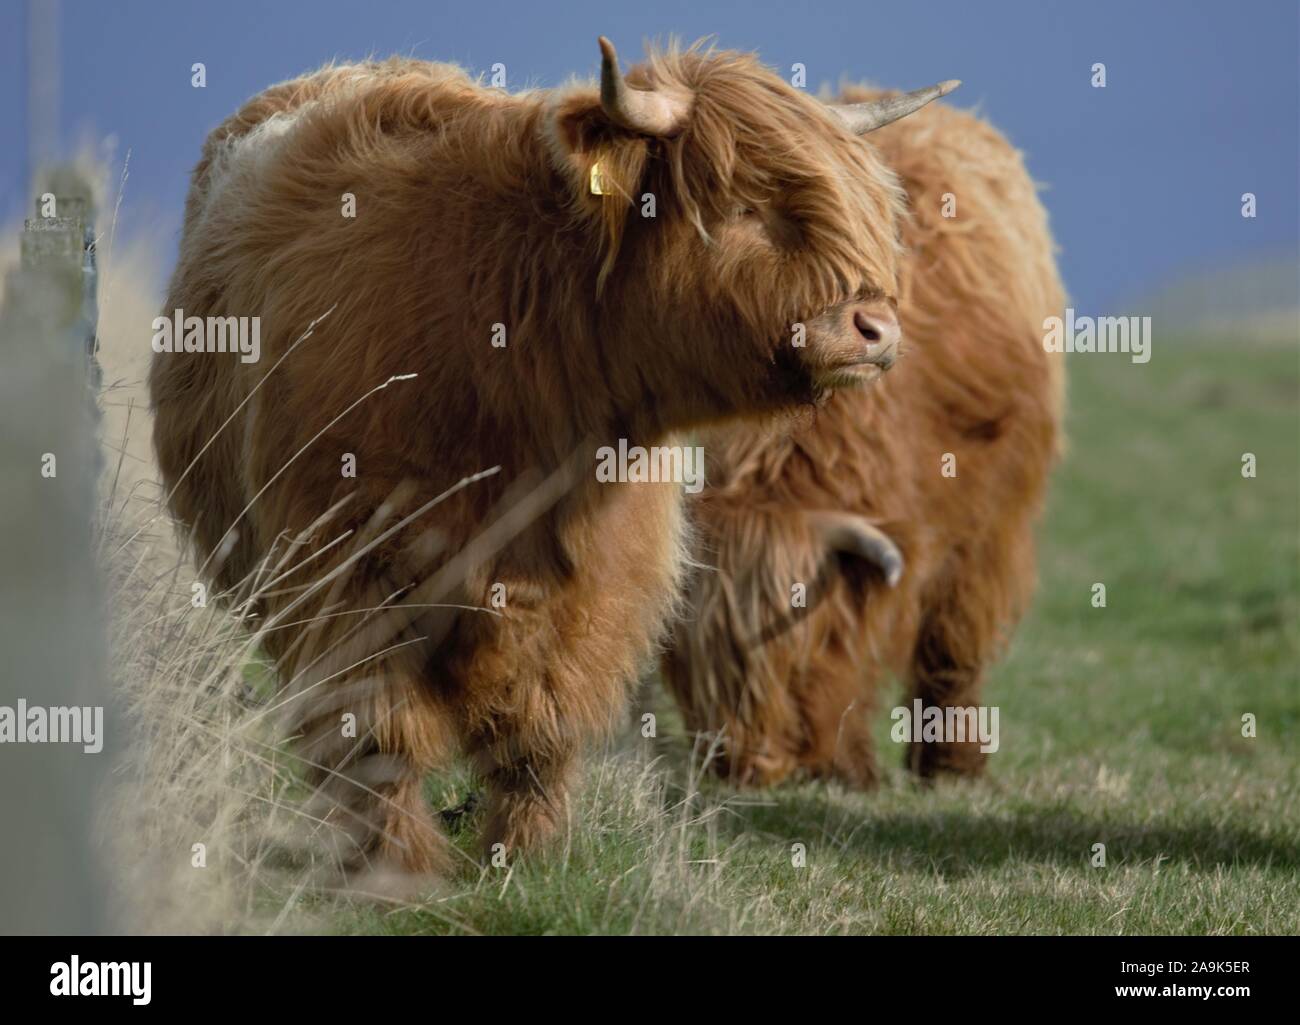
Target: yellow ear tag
[(598, 181)]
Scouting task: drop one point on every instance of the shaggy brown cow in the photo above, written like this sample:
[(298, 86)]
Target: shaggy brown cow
[(794, 688), (499, 299)]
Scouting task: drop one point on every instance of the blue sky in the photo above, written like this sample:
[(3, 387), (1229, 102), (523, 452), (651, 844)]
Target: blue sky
[(1144, 177)]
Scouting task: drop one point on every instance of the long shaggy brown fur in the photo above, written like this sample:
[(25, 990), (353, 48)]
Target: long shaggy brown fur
[(473, 209), (791, 690)]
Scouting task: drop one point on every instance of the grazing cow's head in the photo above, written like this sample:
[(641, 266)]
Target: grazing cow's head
[(749, 238), (769, 645)]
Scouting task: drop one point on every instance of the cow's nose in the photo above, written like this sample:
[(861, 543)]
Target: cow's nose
[(878, 326)]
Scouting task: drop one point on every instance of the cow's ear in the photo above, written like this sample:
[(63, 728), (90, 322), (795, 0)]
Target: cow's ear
[(602, 139), (601, 169), (599, 158), (848, 534)]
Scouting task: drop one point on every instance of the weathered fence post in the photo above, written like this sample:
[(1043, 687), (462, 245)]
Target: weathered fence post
[(51, 639)]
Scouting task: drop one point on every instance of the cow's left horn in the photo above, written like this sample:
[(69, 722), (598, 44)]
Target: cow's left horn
[(856, 535), (867, 117), (648, 111)]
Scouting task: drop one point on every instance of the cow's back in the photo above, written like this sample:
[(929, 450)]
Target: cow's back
[(953, 447), (210, 443), (977, 392), (980, 275), (199, 429)]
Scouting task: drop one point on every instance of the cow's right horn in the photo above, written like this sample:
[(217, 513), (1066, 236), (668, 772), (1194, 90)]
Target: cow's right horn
[(648, 111), (867, 117), (858, 536)]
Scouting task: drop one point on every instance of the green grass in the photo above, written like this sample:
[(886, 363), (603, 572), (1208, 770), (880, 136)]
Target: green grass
[(1119, 725)]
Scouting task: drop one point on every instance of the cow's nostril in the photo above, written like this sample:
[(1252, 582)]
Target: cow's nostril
[(878, 330), (868, 327)]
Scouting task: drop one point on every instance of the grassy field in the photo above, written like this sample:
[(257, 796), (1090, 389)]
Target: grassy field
[(1120, 725)]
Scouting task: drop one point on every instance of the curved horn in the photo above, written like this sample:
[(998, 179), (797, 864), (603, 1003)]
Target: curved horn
[(856, 535), (867, 117), (648, 111)]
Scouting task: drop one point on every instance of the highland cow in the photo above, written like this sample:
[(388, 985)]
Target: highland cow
[(462, 298), (930, 478)]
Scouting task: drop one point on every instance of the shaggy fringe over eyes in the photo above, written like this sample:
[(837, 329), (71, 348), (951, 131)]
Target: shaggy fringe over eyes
[(753, 142)]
